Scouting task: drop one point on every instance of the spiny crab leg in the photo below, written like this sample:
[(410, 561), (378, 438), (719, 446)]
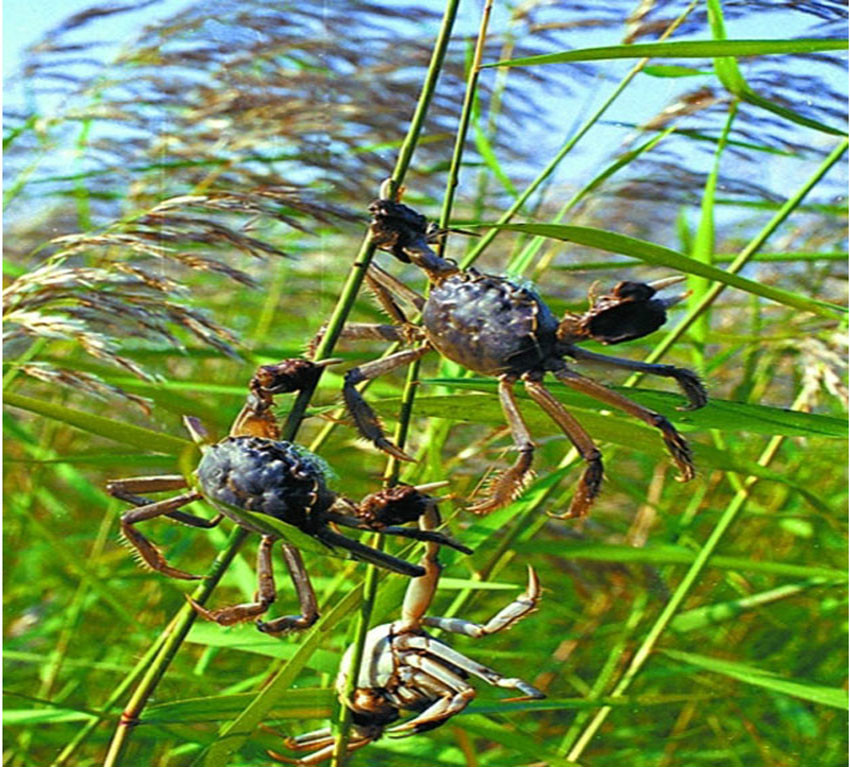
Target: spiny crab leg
[(420, 591), (265, 596), (444, 652), (510, 483), (676, 444), (306, 597), (507, 617), (126, 490), (365, 419), (591, 480), (687, 380)]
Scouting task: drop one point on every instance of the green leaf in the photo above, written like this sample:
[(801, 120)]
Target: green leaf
[(708, 615), (671, 70), (128, 434), (677, 555), (691, 49), (246, 638), (658, 255), (827, 696), (717, 414), (305, 703), (21, 716)]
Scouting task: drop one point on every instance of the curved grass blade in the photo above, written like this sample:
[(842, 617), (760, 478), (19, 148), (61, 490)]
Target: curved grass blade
[(826, 696), (128, 434), (684, 49), (658, 255), (717, 414)]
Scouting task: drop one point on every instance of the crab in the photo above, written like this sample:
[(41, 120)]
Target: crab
[(253, 470), (499, 327), (404, 668)]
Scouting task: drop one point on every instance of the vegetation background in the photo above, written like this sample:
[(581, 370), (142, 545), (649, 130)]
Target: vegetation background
[(185, 203)]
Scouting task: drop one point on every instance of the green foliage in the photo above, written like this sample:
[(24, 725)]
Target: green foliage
[(193, 208)]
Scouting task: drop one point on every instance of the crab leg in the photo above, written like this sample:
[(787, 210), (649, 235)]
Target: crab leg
[(266, 593), (364, 417), (455, 694), (588, 487), (389, 286), (688, 381), (509, 484), (126, 489), (370, 331), (306, 597), (440, 651), (420, 591), (312, 739), (149, 553), (324, 752), (365, 553), (402, 532), (504, 619), (676, 444)]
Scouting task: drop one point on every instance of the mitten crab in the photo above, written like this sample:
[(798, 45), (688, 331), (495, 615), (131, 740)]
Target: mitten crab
[(406, 669), (253, 470), (498, 327)]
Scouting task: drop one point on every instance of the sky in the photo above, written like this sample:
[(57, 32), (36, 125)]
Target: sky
[(25, 22)]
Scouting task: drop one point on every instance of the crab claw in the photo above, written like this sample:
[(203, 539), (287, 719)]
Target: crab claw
[(657, 285), (629, 311)]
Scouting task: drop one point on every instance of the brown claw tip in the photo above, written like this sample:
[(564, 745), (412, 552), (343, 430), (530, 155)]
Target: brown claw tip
[(281, 758), (200, 609), (182, 574), (394, 451)]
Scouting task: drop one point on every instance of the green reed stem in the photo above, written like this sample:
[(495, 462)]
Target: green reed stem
[(174, 637), (648, 645), (465, 116), (352, 285), (485, 241), (744, 257)]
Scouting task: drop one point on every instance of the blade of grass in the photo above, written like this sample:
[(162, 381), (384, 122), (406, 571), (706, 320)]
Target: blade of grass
[(703, 556), (547, 171), (825, 696), (658, 255), (684, 49), (745, 255), (128, 434)]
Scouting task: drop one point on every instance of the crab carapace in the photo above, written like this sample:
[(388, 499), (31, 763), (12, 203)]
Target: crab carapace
[(499, 327), (406, 669), (252, 469)]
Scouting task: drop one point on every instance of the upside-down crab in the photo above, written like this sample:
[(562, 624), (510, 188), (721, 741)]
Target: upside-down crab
[(253, 470), (498, 327), (405, 669)]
